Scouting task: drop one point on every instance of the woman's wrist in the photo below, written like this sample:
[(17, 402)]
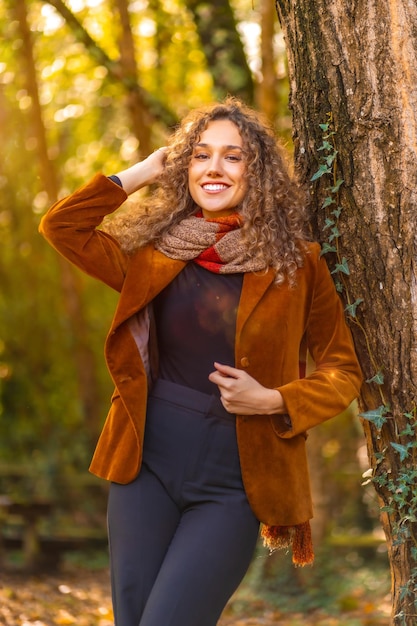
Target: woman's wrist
[(135, 177), (275, 404)]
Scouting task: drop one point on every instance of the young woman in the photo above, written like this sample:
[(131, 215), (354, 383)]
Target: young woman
[(221, 294)]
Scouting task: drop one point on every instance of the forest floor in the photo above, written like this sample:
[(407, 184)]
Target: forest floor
[(78, 596)]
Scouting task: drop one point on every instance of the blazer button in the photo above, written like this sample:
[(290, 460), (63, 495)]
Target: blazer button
[(244, 361)]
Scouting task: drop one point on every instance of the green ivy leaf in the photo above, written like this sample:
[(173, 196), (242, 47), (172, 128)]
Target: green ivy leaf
[(334, 234), (408, 431), (339, 286), (337, 185), (326, 146), (331, 157), (387, 509), (328, 223), (402, 450), (378, 379), (376, 416), (380, 480), (337, 212), (342, 267), (327, 202), (327, 247), (324, 127), (323, 169), (405, 592), (351, 308)]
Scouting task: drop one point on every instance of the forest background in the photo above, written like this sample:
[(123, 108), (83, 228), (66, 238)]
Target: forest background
[(94, 85)]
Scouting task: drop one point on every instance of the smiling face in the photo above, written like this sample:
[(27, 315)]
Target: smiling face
[(216, 174)]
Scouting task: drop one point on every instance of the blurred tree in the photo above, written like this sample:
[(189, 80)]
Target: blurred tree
[(83, 355), (46, 169), (139, 115), (223, 48), (142, 106), (353, 76), (268, 86)]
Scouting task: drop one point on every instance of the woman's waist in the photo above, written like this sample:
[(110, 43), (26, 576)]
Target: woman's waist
[(189, 398)]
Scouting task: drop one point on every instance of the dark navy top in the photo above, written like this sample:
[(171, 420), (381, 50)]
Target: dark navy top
[(196, 323)]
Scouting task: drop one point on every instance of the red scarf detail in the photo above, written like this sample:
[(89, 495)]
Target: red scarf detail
[(210, 258)]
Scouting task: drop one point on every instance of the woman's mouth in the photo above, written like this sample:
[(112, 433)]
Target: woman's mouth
[(214, 187)]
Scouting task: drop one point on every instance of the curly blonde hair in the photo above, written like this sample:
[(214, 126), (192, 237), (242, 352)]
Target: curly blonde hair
[(274, 207)]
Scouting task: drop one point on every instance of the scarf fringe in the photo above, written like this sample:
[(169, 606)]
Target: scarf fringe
[(297, 537)]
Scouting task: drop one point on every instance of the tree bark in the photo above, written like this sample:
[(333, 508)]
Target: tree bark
[(353, 66)]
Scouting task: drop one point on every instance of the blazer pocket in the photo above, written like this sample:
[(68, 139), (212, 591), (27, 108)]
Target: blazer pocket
[(282, 424)]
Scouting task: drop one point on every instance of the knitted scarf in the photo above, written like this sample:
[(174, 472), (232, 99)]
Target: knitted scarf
[(213, 243), (216, 245)]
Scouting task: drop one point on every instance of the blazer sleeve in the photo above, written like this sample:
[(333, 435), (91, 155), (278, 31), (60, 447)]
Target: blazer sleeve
[(71, 227), (337, 379)]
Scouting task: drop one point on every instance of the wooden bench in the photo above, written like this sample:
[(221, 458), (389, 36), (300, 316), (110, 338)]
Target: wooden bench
[(25, 517), (51, 549), (20, 530), (33, 526)]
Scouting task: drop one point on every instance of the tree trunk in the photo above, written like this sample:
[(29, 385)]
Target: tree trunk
[(140, 118), (267, 96), (46, 169), (353, 70), (226, 59), (71, 288)]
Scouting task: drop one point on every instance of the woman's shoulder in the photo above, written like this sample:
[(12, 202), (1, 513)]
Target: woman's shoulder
[(311, 250), (314, 264)]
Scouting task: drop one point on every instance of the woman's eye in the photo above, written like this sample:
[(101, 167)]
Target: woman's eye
[(203, 156)]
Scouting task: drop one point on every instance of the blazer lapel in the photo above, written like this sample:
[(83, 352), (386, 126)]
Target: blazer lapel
[(254, 287), (148, 273)]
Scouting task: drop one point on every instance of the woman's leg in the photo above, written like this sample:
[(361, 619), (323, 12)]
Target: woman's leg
[(206, 560), (191, 445), (182, 535), (142, 520)]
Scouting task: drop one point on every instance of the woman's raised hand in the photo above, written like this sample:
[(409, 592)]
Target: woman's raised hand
[(144, 172)]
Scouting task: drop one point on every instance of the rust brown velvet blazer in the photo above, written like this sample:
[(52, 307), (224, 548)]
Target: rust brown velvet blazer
[(273, 322)]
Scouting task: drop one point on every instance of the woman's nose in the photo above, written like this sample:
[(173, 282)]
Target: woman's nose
[(214, 168)]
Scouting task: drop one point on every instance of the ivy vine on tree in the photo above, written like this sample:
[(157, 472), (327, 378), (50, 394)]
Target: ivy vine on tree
[(401, 503)]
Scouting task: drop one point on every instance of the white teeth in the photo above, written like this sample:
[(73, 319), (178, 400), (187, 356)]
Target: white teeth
[(214, 187)]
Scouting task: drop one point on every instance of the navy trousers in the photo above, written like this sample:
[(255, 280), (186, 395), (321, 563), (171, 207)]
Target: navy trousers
[(181, 535)]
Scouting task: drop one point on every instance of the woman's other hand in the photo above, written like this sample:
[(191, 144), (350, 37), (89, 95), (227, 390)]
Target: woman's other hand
[(242, 394)]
